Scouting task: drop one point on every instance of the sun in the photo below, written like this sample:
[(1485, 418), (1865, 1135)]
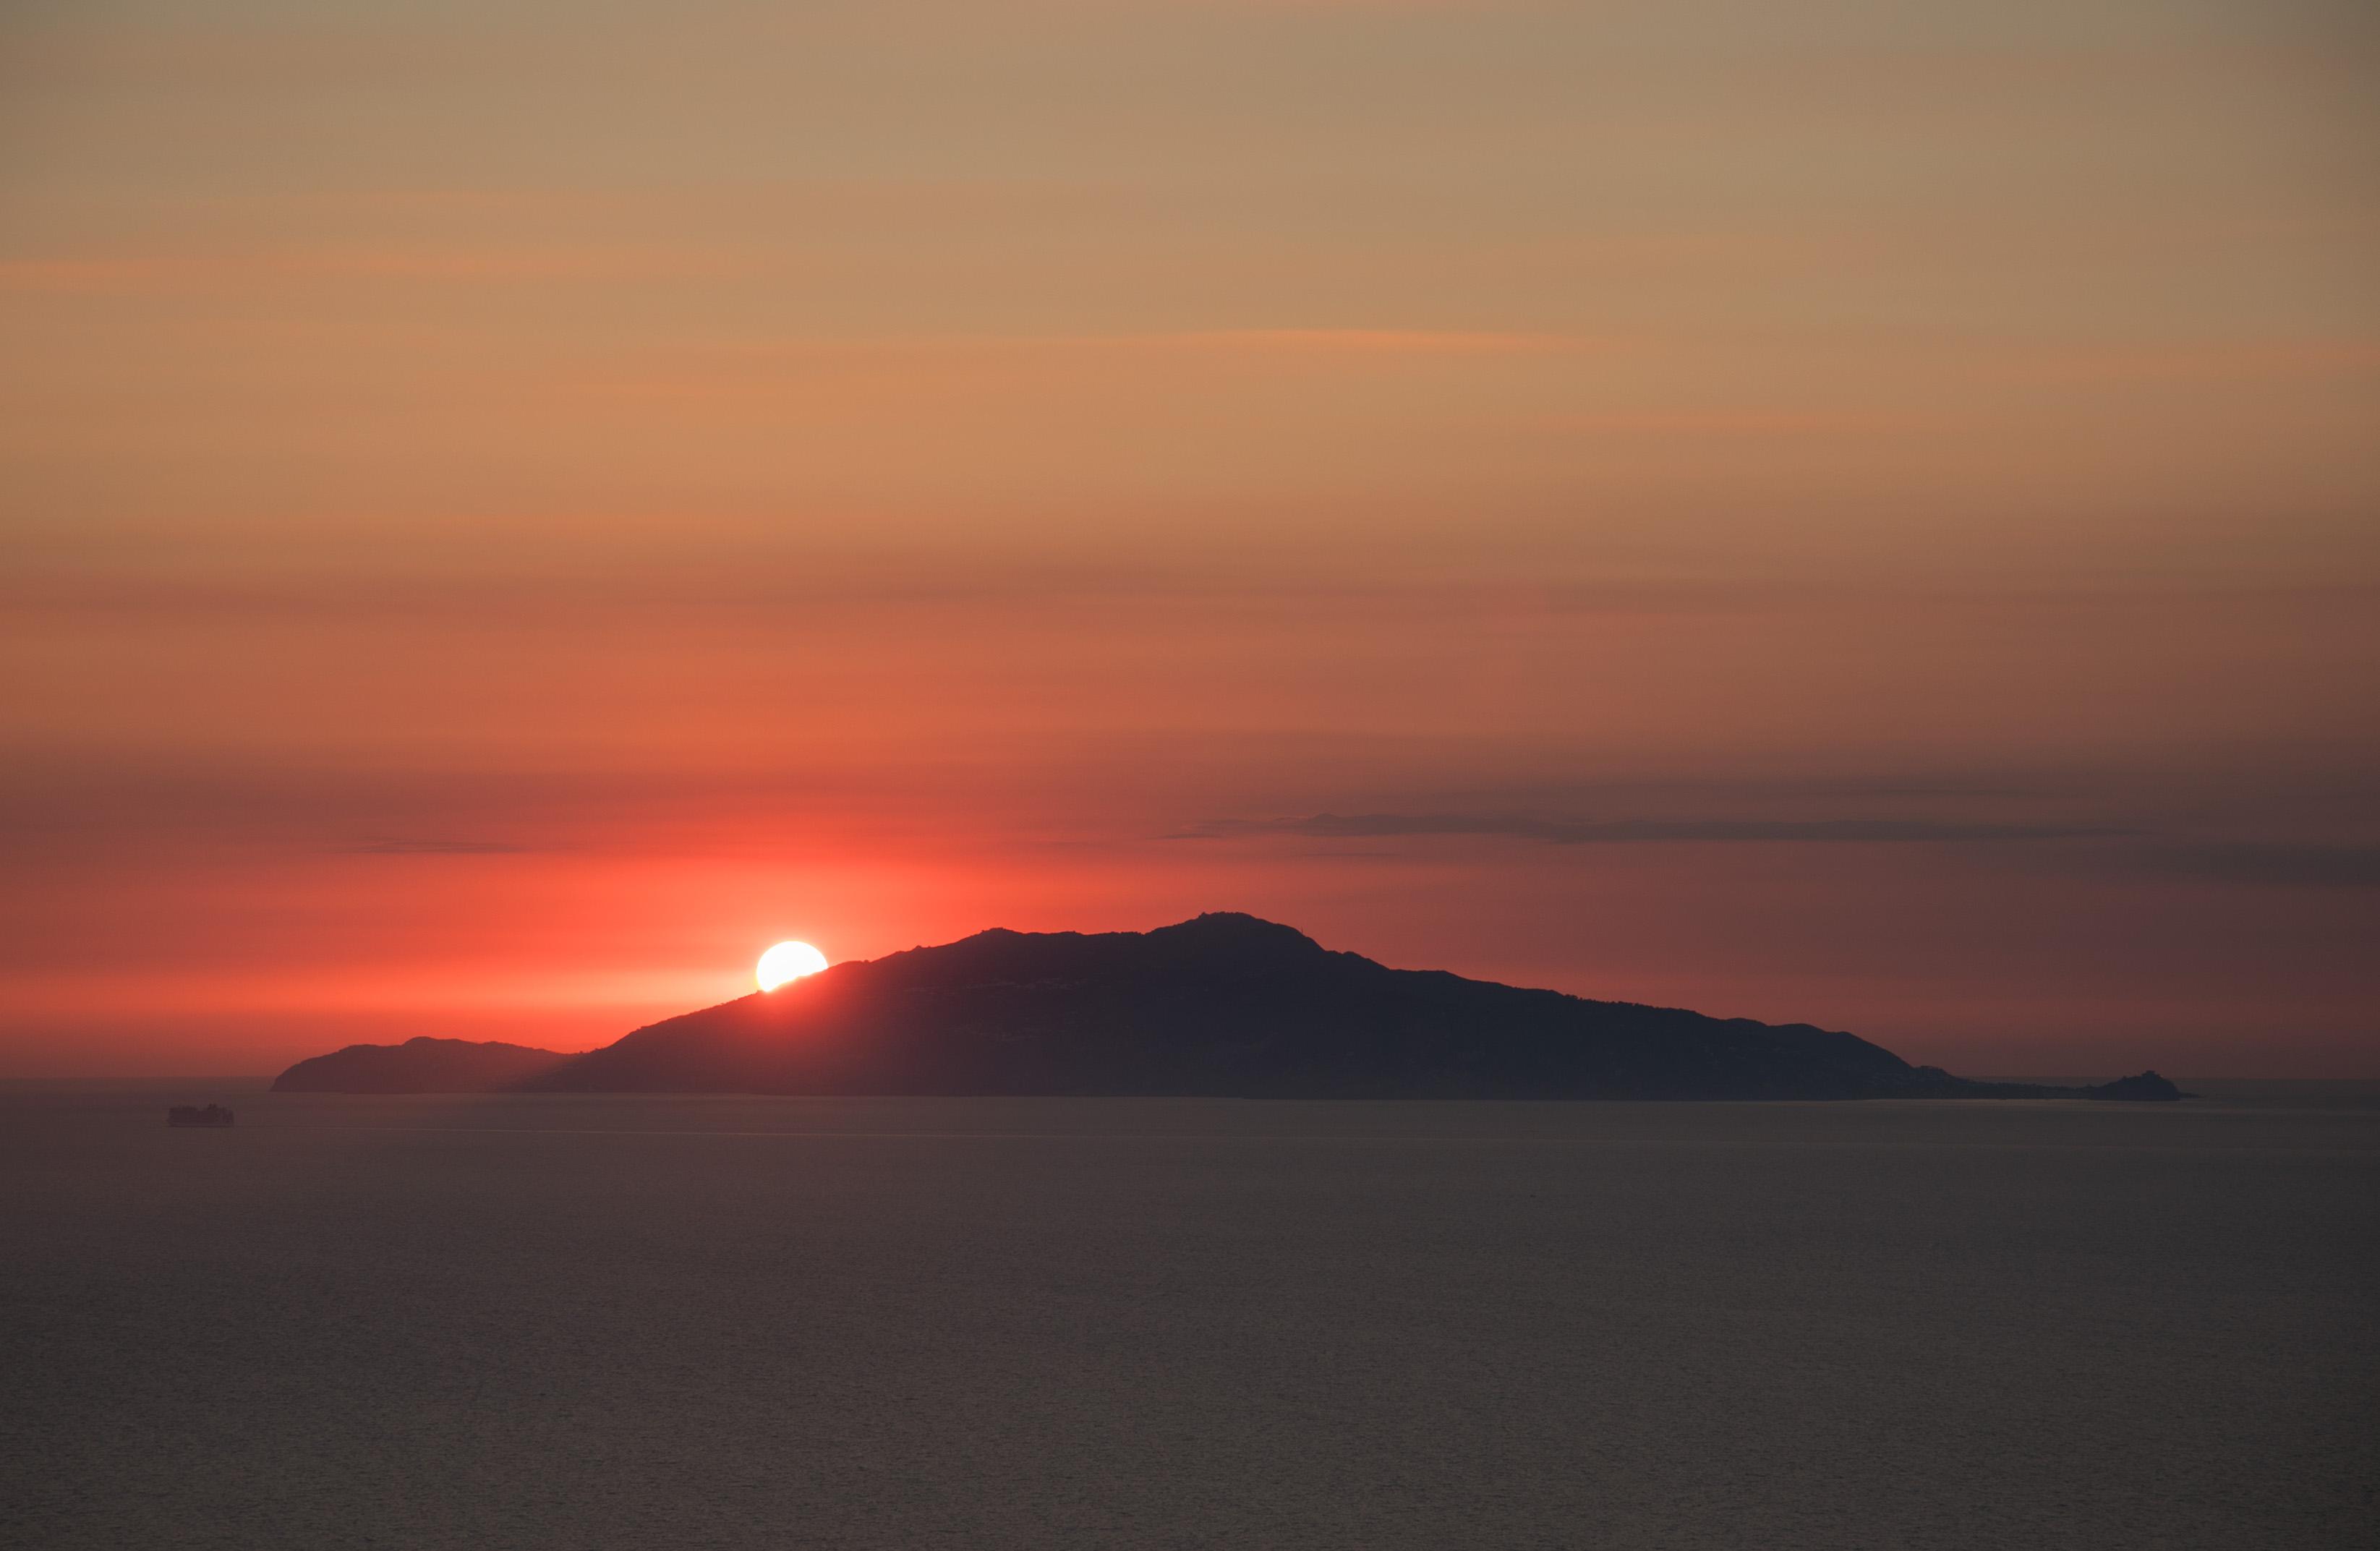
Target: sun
[(788, 960)]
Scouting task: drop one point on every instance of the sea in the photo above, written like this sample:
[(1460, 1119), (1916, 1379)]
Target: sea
[(590, 1322)]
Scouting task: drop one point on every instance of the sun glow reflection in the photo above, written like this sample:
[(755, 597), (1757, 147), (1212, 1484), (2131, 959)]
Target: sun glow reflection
[(788, 960)]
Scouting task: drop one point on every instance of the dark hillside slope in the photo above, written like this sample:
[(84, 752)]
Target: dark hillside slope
[(422, 1065), (1224, 1005)]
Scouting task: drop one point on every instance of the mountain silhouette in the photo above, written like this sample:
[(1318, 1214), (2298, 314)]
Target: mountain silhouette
[(1224, 1005), (422, 1065), (2145, 1088)]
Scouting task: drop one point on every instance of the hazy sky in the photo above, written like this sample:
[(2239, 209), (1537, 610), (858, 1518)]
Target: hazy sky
[(1846, 512)]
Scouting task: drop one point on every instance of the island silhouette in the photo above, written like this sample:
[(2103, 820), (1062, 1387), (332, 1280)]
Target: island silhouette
[(1224, 1005)]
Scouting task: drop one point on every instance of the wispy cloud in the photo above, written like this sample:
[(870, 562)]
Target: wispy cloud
[(2298, 866), (2243, 360), (1294, 340), (1555, 831), (110, 275), (1737, 422), (1401, 342), (435, 848)]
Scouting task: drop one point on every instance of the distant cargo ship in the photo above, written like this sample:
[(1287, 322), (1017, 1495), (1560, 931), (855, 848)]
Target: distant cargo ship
[(192, 1114)]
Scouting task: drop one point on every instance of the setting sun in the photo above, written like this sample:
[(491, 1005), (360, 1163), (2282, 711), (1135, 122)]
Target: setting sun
[(788, 960)]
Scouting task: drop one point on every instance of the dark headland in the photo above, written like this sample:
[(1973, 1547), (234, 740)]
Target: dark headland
[(1223, 1006)]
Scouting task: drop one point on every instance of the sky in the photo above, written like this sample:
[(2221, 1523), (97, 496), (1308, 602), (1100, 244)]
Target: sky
[(1817, 510)]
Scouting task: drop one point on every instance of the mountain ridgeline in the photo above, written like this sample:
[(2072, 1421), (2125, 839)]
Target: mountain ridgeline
[(1225, 1006)]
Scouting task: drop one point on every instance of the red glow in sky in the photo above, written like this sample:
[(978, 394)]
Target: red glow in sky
[(505, 514)]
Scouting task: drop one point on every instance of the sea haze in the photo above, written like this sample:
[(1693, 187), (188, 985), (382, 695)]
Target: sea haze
[(577, 1321)]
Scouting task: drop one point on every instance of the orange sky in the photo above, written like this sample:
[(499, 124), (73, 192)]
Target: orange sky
[(1821, 511)]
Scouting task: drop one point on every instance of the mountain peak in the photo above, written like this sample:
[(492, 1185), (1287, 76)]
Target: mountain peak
[(1236, 930)]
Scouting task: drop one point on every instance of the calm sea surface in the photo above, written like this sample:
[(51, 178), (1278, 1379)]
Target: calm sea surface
[(592, 1322)]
